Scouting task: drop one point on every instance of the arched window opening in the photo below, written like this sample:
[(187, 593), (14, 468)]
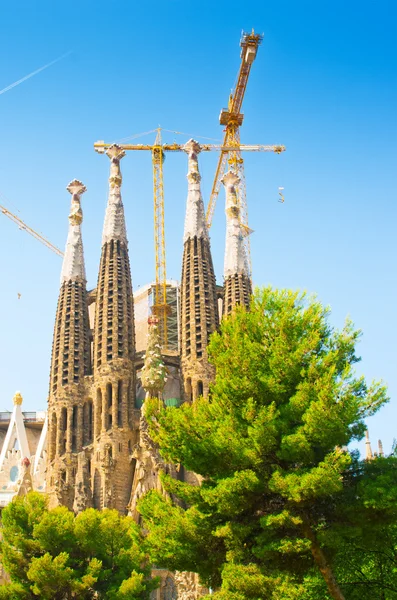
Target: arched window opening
[(98, 411), (120, 404), (189, 395), (88, 424), (200, 388), (53, 436), (97, 495), (63, 427), (109, 394), (74, 428), (90, 421), (64, 419), (109, 403)]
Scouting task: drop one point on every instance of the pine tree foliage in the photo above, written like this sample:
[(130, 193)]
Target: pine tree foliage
[(270, 445), (55, 555)]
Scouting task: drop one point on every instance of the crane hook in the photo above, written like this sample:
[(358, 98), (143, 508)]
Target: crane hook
[(280, 193)]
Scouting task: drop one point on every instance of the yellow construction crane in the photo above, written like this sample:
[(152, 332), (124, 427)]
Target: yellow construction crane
[(232, 118), (160, 307), (32, 232)]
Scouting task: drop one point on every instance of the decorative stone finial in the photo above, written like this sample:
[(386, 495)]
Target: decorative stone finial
[(17, 398), (73, 268), (115, 153), (76, 188), (114, 226), (195, 224), (230, 180), (192, 147), (236, 261)]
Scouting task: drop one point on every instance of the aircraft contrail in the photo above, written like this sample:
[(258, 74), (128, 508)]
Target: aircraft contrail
[(9, 87)]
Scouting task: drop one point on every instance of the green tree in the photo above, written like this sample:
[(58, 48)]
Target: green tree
[(55, 555), (270, 445), (364, 535)]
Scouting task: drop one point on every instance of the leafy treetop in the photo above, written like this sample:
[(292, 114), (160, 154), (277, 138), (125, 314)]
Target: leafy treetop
[(270, 444)]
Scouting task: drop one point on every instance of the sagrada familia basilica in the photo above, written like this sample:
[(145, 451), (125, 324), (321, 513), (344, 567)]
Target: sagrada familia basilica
[(92, 448)]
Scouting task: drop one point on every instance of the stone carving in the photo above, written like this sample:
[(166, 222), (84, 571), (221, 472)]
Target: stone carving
[(147, 467), (115, 153), (188, 586), (73, 267), (82, 494), (235, 254), (237, 281), (170, 592), (195, 224), (114, 225), (17, 399), (76, 188)]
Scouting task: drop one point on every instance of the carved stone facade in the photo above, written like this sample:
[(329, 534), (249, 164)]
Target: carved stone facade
[(237, 281), (199, 304), (99, 451), (70, 365), (177, 586)]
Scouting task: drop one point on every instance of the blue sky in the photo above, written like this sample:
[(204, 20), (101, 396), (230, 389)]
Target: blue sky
[(324, 84)]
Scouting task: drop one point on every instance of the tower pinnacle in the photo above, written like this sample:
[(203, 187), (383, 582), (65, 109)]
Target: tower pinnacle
[(235, 255), (114, 225), (237, 286), (198, 290), (73, 268), (114, 352), (195, 224), (70, 363)]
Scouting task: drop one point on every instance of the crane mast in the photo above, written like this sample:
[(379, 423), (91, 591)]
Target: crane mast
[(160, 306), (232, 118)]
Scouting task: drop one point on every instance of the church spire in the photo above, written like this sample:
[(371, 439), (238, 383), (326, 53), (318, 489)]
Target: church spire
[(70, 361), (114, 323), (114, 225), (198, 290), (114, 353), (195, 224), (73, 268), (71, 347), (237, 283)]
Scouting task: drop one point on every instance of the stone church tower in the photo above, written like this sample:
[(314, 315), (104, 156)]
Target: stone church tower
[(70, 364), (114, 352), (90, 405), (99, 451), (199, 305)]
